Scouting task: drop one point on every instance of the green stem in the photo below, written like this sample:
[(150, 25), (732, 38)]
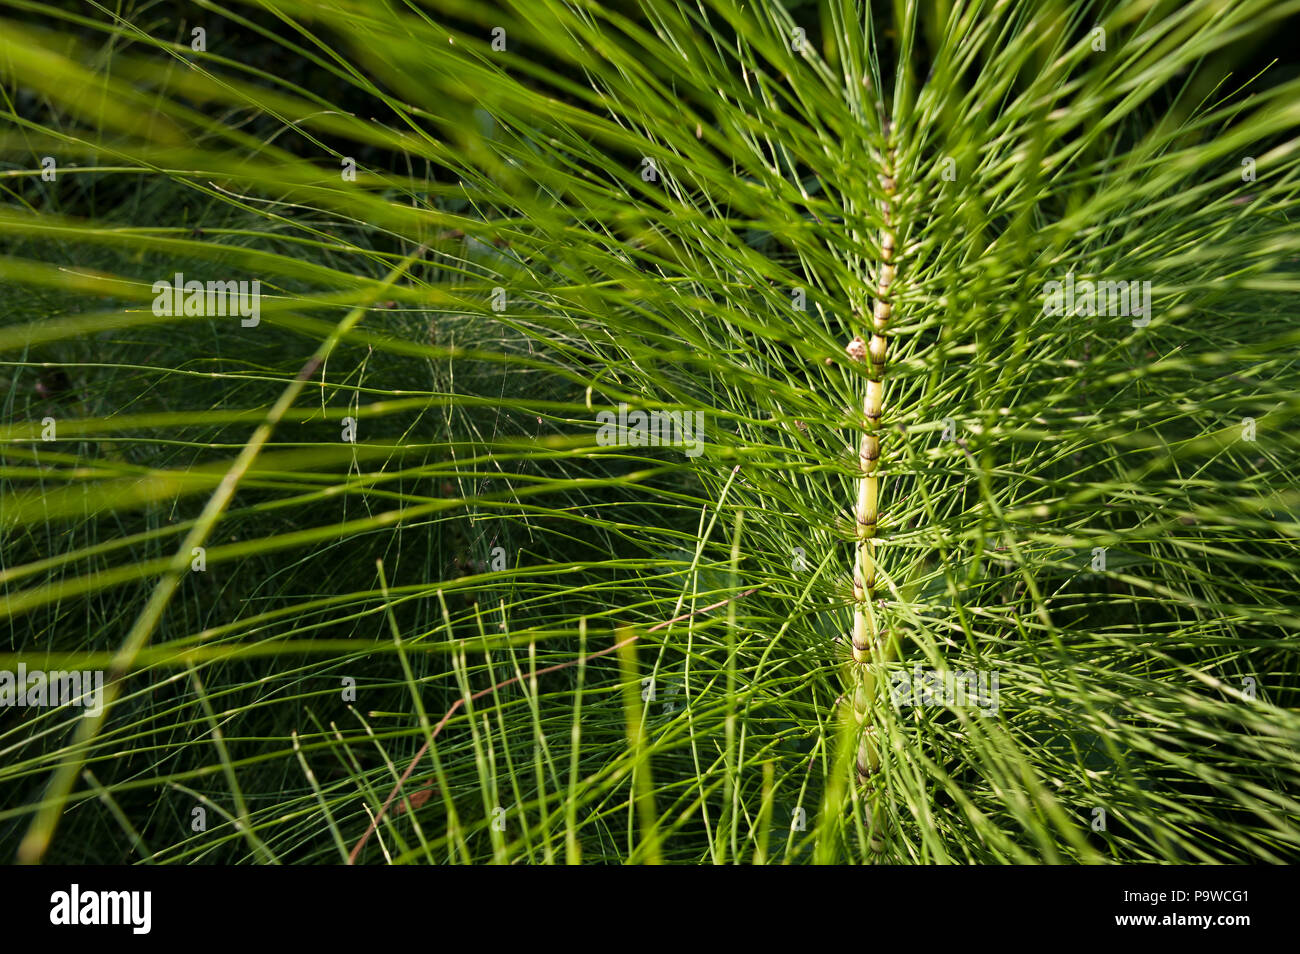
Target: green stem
[(867, 641)]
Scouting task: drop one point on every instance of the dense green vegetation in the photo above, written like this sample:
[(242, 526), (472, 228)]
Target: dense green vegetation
[(364, 575)]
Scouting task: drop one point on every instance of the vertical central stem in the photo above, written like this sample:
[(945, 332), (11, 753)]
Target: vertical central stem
[(866, 635)]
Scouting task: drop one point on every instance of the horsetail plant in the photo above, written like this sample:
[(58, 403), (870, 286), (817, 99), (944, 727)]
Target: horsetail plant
[(357, 567), (867, 646)]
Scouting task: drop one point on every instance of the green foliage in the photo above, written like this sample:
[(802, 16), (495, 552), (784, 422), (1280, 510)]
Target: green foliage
[(647, 197)]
